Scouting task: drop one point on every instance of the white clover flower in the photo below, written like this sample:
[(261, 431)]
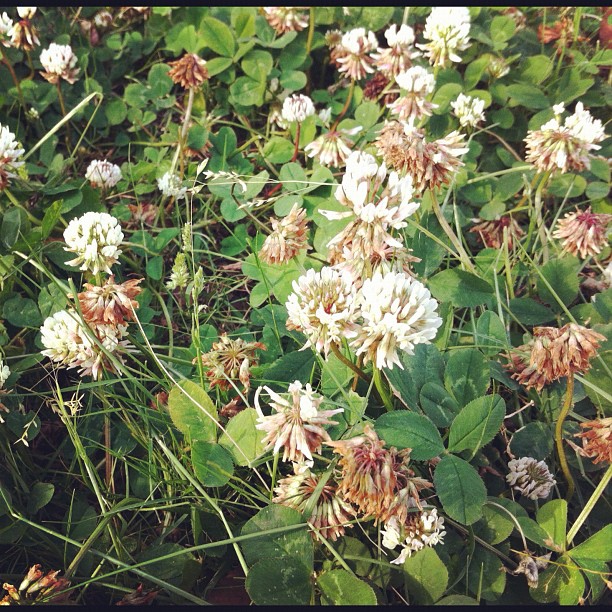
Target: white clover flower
[(171, 186), (416, 85), (558, 109), (103, 174), (286, 19), (565, 147), (447, 28), (469, 111), (95, 238), (398, 312), (325, 115), (59, 61), (26, 12), (10, 152), (322, 307), (352, 53), (530, 477), (6, 23), (5, 372), (297, 107), (332, 148), (398, 57)]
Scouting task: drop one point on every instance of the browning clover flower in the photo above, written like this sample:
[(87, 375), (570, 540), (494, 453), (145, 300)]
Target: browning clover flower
[(322, 306), (530, 477), (103, 174), (419, 530), (231, 360), (10, 152), (398, 57), (447, 30), (36, 588), (59, 62), (189, 71), (331, 514), (494, 234), (286, 18), (583, 232), (596, 440), (289, 236), (352, 53), (398, 312), (112, 304), (23, 33), (565, 147), (332, 148), (95, 238), (430, 164), (416, 84), (296, 108), (296, 424), (469, 111)]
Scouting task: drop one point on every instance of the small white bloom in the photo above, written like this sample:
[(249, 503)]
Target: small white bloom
[(416, 85), (559, 109), (6, 23), (530, 477), (325, 115), (26, 12), (10, 152), (352, 53), (469, 111), (5, 372), (59, 61), (95, 238), (391, 535), (297, 107), (170, 185), (101, 173), (447, 28)]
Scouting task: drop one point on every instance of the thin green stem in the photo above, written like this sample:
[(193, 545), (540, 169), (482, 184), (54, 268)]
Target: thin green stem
[(382, 391), (567, 404), (349, 97), (311, 29), (348, 363), (8, 64)]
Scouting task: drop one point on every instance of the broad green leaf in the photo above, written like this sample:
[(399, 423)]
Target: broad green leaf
[(444, 96), (12, 221), (460, 489), (194, 416), (247, 91), (241, 438), (340, 588), (293, 80), (535, 69), (257, 65), (571, 591), (551, 581), (289, 368), (485, 575), (217, 65), (282, 581), (534, 532), (217, 36), (293, 177), (52, 215), (457, 600), (427, 249), (438, 404), (367, 114), (477, 424), (494, 526), (598, 547), (534, 440), (552, 517), (528, 95), (562, 276), (212, 464), (491, 335), (599, 569), (40, 495), (51, 299), (278, 150), (502, 28), (462, 288), (530, 312), (567, 185), (22, 312), (292, 543), (405, 429), (426, 576), (467, 375), (355, 548)]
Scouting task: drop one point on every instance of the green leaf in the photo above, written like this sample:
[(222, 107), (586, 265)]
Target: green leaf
[(288, 368), (217, 36), (217, 65), (562, 276), (444, 96), (477, 424), (461, 288), (51, 299), (11, 226), (485, 575), (491, 335), (598, 547), (278, 150), (247, 91), (115, 111), (528, 95), (430, 252), (404, 429), (567, 185), (438, 404), (340, 588), (552, 517), (534, 532), (172, 569), (502, 28), (293, 80), (194, 416), (212, 464), (40, 495), (467, 375), (460, 489), (155, 267), (533, 440), (241, 438), (22, 312), (571, 591), (52, 215), (367, 114), (355, 548), (551, 581), (571, 85), (279, 582), (293, 177), (257, 65), (494, 526), (293, 543), (530, 312), (535, 69), (457, 600), (597, 190), (426, 576)]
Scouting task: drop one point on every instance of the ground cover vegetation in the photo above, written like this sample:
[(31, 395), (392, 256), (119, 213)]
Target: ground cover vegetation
[(305, 305)]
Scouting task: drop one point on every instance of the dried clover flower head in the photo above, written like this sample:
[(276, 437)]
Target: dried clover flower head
[(331, 514), (419, 530), (103, 174), (398, 57), (430, 164), (494, 234), (530, 565), (398, 312), (469, 111), (447, 29), (530, 477), (10, 152), (286, 18), (416, 84), (289, 236), (565, 147), (583, 232), (296, 108), (297, 423), (6, 23), (95, 238), (189, 71), (231, 360), (23, 33), (332, 148), (59, 62), (171, 186), (352, 56), (112, 303), (36, 587), (597, 440), (322, 306)]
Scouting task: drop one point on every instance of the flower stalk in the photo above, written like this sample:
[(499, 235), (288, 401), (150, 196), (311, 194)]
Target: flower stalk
[(567, 404)]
